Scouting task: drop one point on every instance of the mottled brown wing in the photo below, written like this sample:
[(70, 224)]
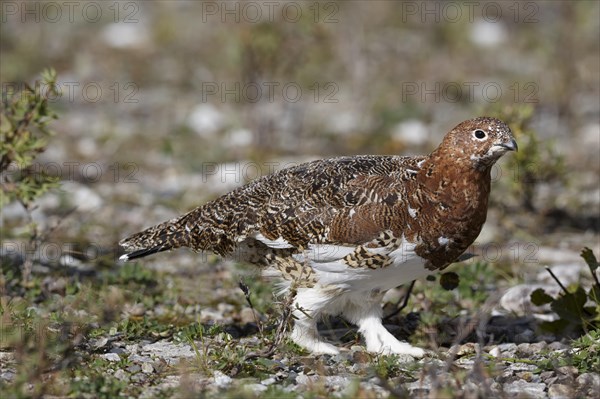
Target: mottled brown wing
[(353, 212)]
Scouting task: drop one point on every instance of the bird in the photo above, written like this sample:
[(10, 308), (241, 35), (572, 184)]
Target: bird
[(338, 233)]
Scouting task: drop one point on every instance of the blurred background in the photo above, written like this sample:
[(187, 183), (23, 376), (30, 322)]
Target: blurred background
[(167, 104), (164, 105)]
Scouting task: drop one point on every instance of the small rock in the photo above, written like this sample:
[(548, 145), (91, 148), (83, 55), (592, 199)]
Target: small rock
[(222, 380), (359, 368), (56, 286), (495, 352), (147, 368), (169, 351), (508, 347), (269, 381), (467, 349), (568, 370), (546, 375), (484, 33), (303, 379), (517, 300), (7, 376), (205, 120), (551, 380), (560, 391), (337, 382), (520, 387), (139, 377), (413, 132), (556, 345), (588, 384), (135, 310), (111, 357), (139, 359), (117, 350), (515, 367), (122, 35), (531, 349), (566, 375), (465, 363), (526, 376), (134, 368), (120, 375), (100, 343)]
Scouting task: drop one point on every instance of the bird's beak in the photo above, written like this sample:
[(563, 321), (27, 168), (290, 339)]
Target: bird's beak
[(510, 146)]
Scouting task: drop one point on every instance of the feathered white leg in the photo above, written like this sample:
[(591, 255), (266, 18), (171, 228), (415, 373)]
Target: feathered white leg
[(306, 312), (377, 338)]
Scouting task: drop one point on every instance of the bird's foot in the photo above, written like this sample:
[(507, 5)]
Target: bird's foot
[(398, 348), (379, 340), (310, 341)]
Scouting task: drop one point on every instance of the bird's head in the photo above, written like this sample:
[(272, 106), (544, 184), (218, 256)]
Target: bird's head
[(479, 142)]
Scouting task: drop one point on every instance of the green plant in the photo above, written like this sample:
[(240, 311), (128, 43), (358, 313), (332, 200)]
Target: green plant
[(23, 133), (578, 309), (24, 130), (586, 352)]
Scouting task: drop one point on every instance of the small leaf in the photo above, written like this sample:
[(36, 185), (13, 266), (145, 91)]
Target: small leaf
[(570, 306), (449, 281), (590, 259), (539, 297)]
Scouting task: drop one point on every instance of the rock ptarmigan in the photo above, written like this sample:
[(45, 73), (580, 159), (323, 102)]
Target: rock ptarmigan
[(340, 232)]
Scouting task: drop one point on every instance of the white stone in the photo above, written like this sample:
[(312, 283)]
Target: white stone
[(269, 381), (111, 357), (169, 351), (205, 120), (487, 33), (240, 138), (517, 300), (522, 387), (147, 368), (125, 35), (495, 352), (412, 132), (222, 380)]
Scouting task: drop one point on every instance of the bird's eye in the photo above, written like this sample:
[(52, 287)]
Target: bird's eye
[(480, 134)]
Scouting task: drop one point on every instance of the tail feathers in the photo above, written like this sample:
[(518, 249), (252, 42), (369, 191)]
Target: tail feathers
[(140, 253), (163, 237)]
